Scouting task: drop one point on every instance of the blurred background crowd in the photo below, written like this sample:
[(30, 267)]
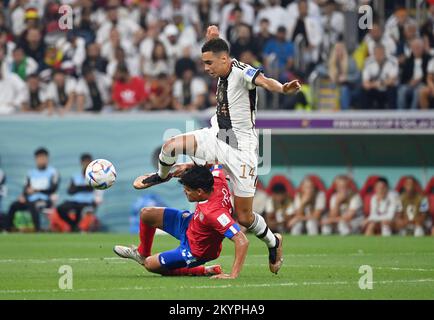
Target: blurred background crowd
[(135, 55)]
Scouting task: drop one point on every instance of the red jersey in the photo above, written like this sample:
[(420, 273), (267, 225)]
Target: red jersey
[(212, 220), (129, 94)]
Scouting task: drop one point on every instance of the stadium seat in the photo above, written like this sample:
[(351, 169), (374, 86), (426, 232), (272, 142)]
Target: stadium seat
[(429, 191), (367, 191), (332, 189), (400, 185), (283, 180), (319, 184)]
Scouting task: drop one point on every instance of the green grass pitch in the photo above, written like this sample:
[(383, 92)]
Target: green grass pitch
[(314, 268)]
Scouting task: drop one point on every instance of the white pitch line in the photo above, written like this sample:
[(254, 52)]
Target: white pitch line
[(230, 286)]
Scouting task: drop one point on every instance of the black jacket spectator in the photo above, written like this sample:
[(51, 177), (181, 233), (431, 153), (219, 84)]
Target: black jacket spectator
[(408, 67)]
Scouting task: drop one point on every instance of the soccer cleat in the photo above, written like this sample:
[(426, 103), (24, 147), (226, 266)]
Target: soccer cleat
[(129, 253), (213, 270), (149, 180), (275, 255)]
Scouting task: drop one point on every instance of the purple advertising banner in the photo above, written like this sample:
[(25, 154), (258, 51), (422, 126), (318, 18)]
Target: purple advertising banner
[(348, 123)]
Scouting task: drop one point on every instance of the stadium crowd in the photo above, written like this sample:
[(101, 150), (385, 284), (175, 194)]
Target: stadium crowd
[(311, 208), (136, 55)]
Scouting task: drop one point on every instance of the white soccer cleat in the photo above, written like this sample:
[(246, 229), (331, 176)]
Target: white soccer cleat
[(129, 253)]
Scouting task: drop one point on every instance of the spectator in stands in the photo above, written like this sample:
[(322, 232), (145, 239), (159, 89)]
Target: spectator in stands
[(309, 205), (128, 29), (380, 77), (244, 42), (236, 20), (189, 91), (227, 14), (185, 10), (128, 93), (12, 88), (279, 55), (342, 71), (412, 211), (93, 90), (33, 44), (346, 210), (427, 30), (383, 207), (160, 61), (278, 208), (376, 37), (208, 13), (82, 197), (404, 47), (61, 93), (274, 13), (94, 60), (333, 24), (395, 24), (21, 64), (413, 76), (263, 35), (306, 33), (426, 92), (41, 185), (35, 96), (160, 93)]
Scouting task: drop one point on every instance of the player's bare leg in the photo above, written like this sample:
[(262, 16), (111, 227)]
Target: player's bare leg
[(256, 224), (171, 149), (152, 264), (150, 219)]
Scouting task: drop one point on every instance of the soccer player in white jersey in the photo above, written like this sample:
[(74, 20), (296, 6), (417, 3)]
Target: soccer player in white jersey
[(231, 140)]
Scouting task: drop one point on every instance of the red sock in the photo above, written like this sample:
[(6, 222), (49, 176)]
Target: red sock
[(146, 239), (196, 271)]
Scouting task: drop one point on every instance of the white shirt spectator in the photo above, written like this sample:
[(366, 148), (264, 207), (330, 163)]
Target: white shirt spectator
[(186, 40), (103, 83), (248, 15), (314, 33), (386, 41), (52, 93), (417, 70), (276, 15), (153, 69), (197, 87), (319, 204), (126, 29), (355, 203), (280, 213), (313, 10), (76, 54), (31, 65), (392, 29), (385, 209), (133, 65), (372, 70), (12, 93), (187, 11)]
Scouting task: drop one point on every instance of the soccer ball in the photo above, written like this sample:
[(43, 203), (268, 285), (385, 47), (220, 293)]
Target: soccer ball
[(100, 174)]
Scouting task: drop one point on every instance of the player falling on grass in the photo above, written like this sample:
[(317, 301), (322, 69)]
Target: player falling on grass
[(200, 233), (231, 140)]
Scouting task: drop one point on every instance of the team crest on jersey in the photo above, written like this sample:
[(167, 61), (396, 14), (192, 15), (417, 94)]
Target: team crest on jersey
[(201, 216), (251, 72)]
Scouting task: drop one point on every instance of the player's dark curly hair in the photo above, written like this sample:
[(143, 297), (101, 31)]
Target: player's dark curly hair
[(215, 45), (198, 177)]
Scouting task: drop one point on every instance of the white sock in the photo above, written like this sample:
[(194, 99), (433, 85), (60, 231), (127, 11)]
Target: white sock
[(418, 231), (385, 230), (261, 230), (326, 229), (297, 229), (343, 228), (312, 227), (168, 160)]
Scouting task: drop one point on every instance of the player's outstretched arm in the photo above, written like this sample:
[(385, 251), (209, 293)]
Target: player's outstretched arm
[(241, 245), (273, 85)]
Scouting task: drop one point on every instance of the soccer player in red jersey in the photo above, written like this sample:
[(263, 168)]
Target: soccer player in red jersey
[(200, 233)]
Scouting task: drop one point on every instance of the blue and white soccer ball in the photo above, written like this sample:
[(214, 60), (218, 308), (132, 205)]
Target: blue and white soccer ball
[(100, 174)]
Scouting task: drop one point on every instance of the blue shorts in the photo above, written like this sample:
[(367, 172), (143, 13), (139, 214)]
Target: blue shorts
[(175, 222)]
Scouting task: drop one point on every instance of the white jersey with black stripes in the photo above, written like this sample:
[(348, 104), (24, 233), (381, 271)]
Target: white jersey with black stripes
[(236, 95)]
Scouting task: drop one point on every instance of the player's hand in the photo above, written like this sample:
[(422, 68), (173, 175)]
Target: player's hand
[(291, 87), (179, 169), (223, 276), (212, 32)]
